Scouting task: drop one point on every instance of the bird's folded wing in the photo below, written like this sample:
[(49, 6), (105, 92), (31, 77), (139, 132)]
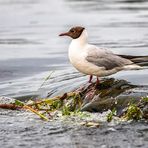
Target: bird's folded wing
[(104, 58), (139, 60)]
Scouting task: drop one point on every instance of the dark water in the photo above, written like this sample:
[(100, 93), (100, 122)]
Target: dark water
[(31, 132), (30, 50)]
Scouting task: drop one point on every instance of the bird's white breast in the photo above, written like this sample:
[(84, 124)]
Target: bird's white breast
[(77, 56)]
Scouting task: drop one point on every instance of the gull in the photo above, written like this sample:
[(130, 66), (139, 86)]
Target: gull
[(94, 61)]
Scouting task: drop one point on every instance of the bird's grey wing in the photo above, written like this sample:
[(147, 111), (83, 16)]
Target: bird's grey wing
[(105, 59), (135, 59)]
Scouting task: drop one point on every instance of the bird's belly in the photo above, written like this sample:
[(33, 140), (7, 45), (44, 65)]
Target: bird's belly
[(84, 66), (78, 60)]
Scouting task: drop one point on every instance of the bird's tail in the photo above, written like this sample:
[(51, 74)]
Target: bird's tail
[(138, 60)]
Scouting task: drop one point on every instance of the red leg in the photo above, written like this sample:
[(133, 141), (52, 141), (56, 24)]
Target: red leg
[(90, 78), (98, 81)]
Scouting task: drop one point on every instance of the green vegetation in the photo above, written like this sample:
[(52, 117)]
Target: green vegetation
[(133, 112), (70, 105), (111, 114)]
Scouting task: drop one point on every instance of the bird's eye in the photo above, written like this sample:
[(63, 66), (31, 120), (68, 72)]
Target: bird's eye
[(72, 31)]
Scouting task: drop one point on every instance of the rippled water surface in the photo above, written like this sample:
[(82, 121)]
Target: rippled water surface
[(30, 50), (30, 47)]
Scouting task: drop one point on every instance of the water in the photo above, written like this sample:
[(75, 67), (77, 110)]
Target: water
[(30, 50), (31, 132), (30, 47)]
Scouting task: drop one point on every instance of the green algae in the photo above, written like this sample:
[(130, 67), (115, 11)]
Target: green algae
[(111, 114), (111, 98), (133, 112), (71, 105)]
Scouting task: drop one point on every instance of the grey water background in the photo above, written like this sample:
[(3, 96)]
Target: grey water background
[(30, 50), (30, 47)]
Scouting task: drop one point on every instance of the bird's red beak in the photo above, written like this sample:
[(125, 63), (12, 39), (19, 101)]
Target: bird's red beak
[(64, 34)]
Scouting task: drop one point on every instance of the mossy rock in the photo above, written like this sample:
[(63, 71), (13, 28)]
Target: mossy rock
[(113, 94)]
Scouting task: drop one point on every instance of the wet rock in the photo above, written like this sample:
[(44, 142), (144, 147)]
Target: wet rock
[(112, 94)]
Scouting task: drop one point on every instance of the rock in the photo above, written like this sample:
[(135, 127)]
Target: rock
[(112, 94)]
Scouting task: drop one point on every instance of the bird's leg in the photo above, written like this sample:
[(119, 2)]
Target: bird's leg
[(98, 81), (90, 78)]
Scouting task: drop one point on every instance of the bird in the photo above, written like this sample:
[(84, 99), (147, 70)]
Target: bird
[(95, 61)]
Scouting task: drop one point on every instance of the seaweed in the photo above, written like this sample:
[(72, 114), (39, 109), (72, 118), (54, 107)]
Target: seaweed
[(71, 104), (133, 112), (111, 114)]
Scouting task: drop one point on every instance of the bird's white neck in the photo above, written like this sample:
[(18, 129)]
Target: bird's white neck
[(81, 41)]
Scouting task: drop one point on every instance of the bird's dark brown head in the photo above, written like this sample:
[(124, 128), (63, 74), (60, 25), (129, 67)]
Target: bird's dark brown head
[(74, 32)]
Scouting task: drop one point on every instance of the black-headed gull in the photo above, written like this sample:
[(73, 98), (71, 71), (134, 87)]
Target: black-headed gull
[(94, 61)]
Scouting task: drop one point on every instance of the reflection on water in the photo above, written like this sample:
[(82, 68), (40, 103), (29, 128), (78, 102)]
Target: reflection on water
[(133, 1), (16, 41), (107, 5)]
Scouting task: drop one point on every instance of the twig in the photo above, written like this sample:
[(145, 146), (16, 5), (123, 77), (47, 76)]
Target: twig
[(36, 112), (10, 106), (46, 79)]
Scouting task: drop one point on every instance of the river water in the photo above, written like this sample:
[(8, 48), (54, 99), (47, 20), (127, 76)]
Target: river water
[(30, 50)]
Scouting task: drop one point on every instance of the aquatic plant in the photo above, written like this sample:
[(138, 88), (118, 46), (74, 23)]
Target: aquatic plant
[(133, 112), (71, 104), (111, 114)]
